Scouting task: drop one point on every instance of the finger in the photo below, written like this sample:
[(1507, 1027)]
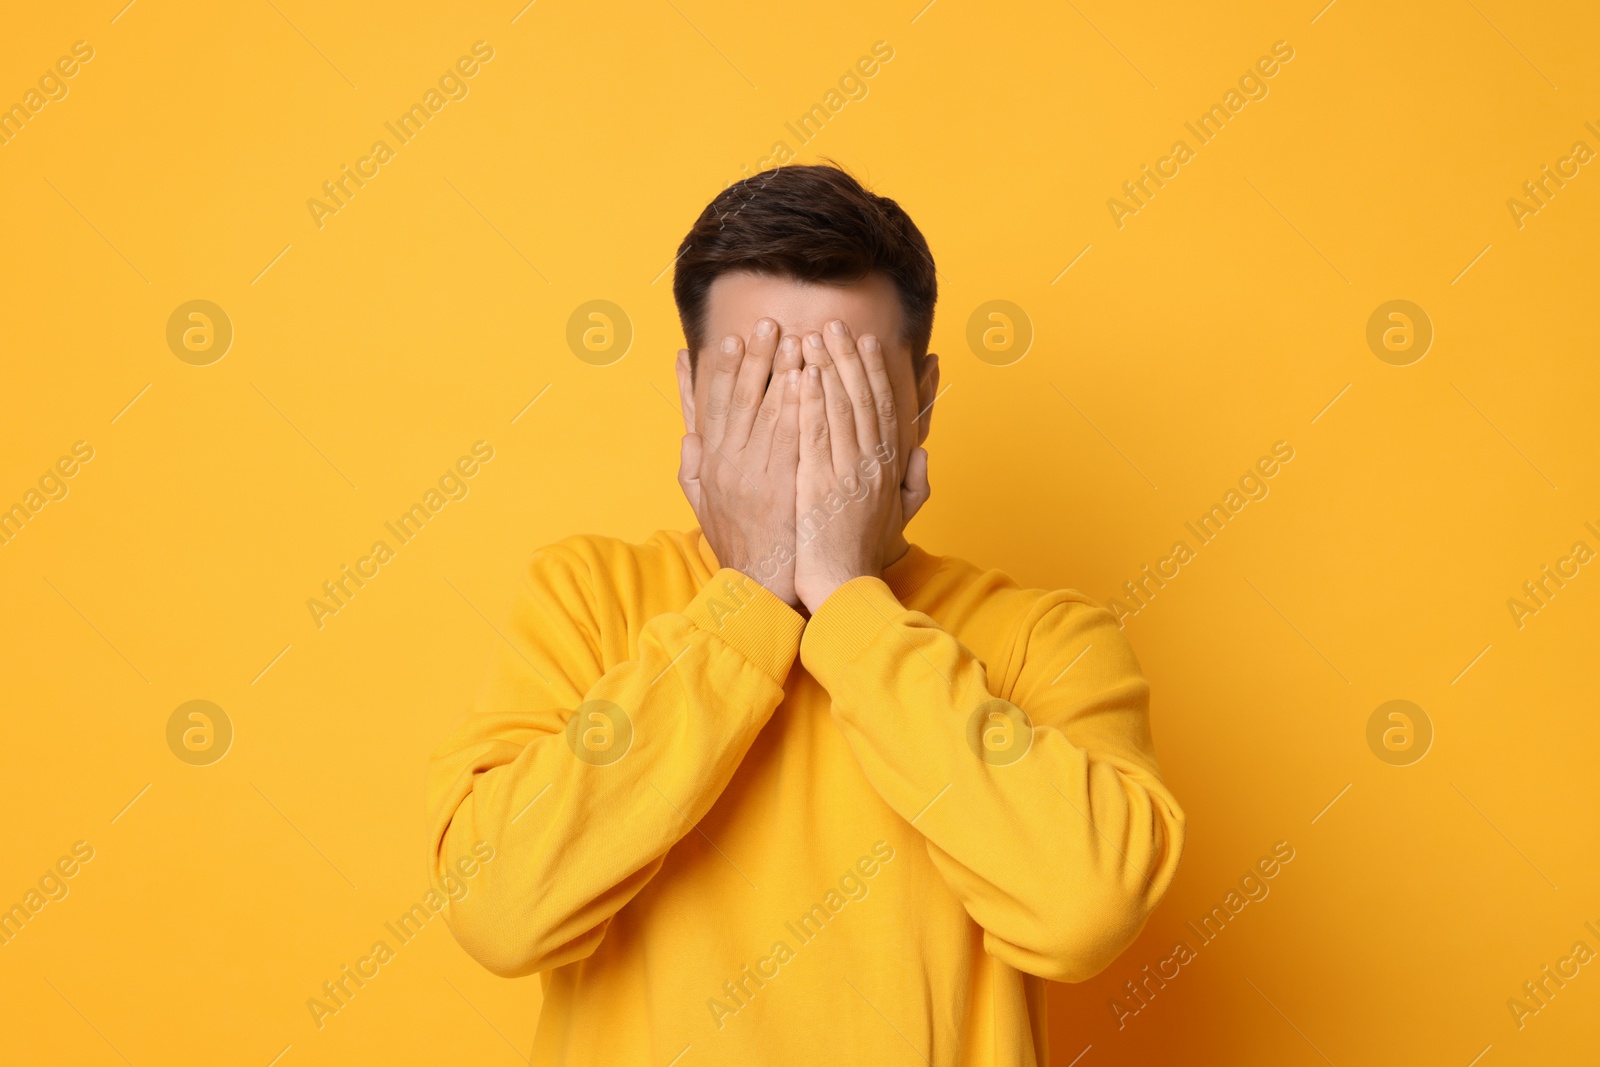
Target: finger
[(916, 490), (815, 462), (840, 412), (689, 470), (853, 375), (783, 459), (750, 385), (906, 408), (788, 355), (725, 364), (872, 361), (786, 434), (764, 338), (930, 367), (758, 446)]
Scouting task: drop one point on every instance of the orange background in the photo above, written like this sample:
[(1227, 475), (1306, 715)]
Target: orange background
[(1229, 313)]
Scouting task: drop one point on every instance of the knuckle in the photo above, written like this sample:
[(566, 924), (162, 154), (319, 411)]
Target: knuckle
[(886, 407), (744, 397), (864, 398)]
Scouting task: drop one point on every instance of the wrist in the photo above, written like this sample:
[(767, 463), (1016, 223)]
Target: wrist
[(778, 581), (817, 590)]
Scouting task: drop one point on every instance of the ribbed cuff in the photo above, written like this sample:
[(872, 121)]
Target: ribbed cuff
[(749, 619), (846, 623)]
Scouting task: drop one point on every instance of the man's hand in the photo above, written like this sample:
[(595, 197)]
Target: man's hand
[(738, 471), (861, 476)]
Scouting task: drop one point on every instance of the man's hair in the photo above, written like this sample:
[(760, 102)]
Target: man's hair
[(812, 224)]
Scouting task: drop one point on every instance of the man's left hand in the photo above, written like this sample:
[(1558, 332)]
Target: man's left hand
[(861, 475)]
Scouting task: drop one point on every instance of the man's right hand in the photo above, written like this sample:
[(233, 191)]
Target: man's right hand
[(738, 470)]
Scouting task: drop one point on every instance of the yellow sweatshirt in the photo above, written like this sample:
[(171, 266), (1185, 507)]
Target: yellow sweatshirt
[(725, 833)]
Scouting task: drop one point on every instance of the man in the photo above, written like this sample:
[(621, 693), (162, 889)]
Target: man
[(786, 789)]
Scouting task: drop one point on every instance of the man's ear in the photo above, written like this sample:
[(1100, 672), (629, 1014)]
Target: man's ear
[(686, 390), (927, 390)]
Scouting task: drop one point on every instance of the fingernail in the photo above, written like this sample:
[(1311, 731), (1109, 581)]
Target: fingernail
[(836, 327), (730, 344), (764, 328), (870, 343), (788, 345), (814, 372), (814, 340)]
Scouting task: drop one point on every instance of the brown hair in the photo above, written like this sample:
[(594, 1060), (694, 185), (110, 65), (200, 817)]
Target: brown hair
[(812, 224)]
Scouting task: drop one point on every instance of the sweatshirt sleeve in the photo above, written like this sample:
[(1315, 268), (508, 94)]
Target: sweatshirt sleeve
[(1040, 798), (581, 774)]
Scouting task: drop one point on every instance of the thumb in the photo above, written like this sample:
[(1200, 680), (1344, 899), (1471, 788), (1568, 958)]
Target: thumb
[(689, 469), (915, 490)]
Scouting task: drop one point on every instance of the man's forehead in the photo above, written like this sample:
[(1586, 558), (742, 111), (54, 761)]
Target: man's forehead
[(738, 299)]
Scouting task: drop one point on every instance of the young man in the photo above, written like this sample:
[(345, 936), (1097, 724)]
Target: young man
[(786, 789)]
